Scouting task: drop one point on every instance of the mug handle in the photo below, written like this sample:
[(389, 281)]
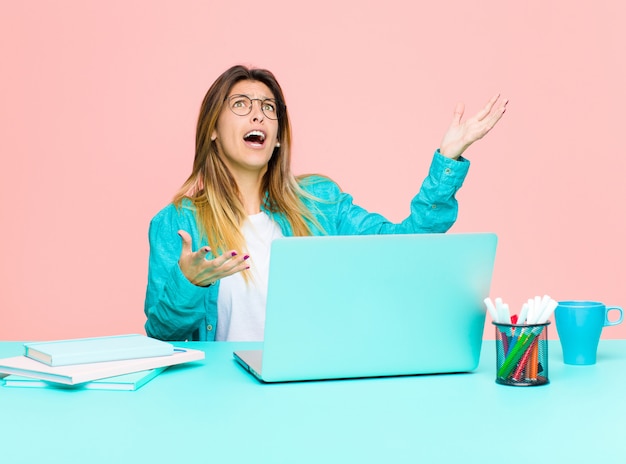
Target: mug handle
[(607, 322)]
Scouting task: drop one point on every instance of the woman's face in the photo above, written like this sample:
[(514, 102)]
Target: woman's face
[(246, 143)]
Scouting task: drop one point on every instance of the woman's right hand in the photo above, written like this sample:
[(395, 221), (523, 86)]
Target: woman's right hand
[(204, 272), (461, 135)]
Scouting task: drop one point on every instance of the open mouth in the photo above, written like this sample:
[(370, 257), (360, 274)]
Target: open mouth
[(255, 137)]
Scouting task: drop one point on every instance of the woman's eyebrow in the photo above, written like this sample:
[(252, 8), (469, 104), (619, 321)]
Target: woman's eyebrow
[(262, 97)]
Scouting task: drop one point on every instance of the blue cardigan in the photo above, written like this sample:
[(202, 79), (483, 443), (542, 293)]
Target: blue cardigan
[(179, 310)]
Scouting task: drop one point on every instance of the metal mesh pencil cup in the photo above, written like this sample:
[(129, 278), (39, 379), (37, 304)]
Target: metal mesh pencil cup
[(522, 354)]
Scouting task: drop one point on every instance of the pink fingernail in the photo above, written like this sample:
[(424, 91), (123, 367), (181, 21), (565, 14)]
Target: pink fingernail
[(234, 253), (245, 257)]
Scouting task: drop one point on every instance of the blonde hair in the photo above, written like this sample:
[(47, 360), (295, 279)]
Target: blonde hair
[(212, 188)]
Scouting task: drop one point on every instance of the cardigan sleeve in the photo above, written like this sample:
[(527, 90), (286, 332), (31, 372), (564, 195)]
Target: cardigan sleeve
[(434, 208), (174, 307)]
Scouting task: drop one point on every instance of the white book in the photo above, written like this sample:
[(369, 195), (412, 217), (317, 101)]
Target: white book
[(127, 382), (79, 373)]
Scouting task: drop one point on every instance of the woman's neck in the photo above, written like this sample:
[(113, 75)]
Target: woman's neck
[(250, 190)]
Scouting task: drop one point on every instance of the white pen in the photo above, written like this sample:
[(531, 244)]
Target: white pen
[(543, 303), (492, 309), (529, 315), (523, 314), (506, 313), (503, 317), (540, 307), (547, 312)]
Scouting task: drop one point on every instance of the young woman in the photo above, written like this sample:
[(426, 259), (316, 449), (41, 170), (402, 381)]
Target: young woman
[(209, 249)]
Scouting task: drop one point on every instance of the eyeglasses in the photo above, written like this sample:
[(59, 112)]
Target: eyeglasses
[(241, 105)]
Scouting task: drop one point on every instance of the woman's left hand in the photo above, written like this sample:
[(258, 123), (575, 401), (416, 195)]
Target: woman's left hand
[(461, 135)]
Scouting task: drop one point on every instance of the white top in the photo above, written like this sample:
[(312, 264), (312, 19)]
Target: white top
[(241, 305)]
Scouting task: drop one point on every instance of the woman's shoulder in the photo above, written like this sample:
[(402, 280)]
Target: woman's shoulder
[(319, 186), (175, 213)]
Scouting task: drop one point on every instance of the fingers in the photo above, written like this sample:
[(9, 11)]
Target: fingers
[(186, 238), (494, 116), (224, 265), (498, 114), (235, 264), (187, 243), (201, 269), (502, 109), (458, 113), (487, 108), (229, 256)]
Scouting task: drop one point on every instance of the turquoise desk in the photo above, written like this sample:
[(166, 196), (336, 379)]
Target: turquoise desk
[(214, 412)]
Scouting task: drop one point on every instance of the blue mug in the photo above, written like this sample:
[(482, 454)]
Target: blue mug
[(579, 325)]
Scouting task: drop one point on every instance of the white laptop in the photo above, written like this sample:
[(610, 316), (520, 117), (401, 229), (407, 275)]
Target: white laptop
[(373, 305)]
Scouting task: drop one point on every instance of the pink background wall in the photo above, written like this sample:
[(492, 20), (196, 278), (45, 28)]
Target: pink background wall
[(99, 102)]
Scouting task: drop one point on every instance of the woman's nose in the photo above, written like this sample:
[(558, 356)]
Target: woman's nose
[(257, 111)]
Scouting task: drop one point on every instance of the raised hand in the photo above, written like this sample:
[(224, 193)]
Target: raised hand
[(461, 135), (204, 272)]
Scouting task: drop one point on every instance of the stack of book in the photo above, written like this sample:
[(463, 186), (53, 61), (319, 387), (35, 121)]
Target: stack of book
[(121, 362)]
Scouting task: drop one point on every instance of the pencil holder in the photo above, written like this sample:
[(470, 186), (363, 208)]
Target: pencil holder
[(522, 354)]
